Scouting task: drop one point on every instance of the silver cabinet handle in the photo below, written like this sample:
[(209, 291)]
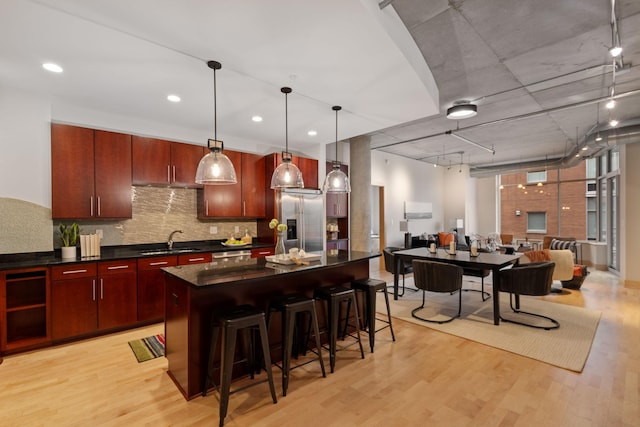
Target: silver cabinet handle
[(117, 267), (206, 208), (159, 263), (94, 288), (98, 199), (195, 259), (74, 271), (244, 208), (101, 289), (169, 173), (229, 256), (91, 205), (174, 173)]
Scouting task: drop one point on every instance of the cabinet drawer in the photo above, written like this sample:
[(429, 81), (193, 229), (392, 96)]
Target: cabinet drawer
[(262, 252), (157, 262), (185, 259), (116, 267), (74, 271)]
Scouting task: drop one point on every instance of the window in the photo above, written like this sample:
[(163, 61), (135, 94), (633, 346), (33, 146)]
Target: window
[(537, 176), (536, 222)]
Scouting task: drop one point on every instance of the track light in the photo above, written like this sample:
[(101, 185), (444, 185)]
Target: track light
[(615, 51), (610, 104), (613, 123), (462, 111), (598, 137)]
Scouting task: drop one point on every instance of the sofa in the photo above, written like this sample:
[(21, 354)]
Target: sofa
[(563, 258)]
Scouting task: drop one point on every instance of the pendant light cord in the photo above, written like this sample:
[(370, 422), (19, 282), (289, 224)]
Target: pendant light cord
[(215, 108), (336, 108), (286, 122)]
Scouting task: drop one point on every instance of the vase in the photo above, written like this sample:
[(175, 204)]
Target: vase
[(280, 251)]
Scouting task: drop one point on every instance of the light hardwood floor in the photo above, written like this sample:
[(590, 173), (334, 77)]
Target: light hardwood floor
[(425, 378)]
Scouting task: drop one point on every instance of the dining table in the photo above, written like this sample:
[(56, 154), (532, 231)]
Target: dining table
[(494, 261)]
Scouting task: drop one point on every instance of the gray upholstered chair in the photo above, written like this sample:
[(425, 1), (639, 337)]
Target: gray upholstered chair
[(437, 277), (390, 265), (528, 279)]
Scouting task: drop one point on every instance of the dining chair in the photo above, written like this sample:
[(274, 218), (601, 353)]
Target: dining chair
[(390, 264), (533, 279), (437, 277)]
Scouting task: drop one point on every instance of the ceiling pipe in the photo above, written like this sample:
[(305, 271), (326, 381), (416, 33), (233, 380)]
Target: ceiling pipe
[(470, 142), (610, 138)]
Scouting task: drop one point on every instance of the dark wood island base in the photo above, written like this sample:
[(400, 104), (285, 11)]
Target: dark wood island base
[(193, 291)]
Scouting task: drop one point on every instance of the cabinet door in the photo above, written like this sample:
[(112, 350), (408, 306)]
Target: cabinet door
[(336, 205), (253, 185), (309, 169), (72, 172), (73, 307), (223, 200), (117, 300), (151, 286), (151, 159), (184, 163), (112, 175), (202, 258)]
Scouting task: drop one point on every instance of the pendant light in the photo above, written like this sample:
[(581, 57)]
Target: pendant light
[(215, 168), (336, 180), (286, 175)]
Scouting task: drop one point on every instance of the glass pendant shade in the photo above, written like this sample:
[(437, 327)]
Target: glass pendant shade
[(337, 181), (286, 175), (215, 168)]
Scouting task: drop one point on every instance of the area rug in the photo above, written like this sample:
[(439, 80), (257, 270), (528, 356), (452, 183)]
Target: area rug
[(567, 347), (148, 348)]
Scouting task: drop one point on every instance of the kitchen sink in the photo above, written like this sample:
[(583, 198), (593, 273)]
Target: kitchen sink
[(168, 251)]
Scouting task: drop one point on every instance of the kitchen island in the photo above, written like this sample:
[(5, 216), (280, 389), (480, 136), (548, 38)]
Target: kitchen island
[(192, 291)]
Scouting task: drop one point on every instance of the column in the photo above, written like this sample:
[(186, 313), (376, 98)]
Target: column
[(360, 200)]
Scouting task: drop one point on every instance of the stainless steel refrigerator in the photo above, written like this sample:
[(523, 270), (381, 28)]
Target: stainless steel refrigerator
[(302, 209)]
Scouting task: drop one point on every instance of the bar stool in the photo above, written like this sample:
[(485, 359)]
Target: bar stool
[(371, 287), (290, 305), (230, 321), (334, 295)]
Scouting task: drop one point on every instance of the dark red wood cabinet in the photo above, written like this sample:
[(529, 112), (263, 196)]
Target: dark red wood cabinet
[(162, 162), (87, 297), (24, 309), (244, 199), (90, 173), (151, 286)]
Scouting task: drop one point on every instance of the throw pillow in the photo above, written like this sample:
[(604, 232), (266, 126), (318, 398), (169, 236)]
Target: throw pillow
[(445, 238), (538, 256), (563, 244)]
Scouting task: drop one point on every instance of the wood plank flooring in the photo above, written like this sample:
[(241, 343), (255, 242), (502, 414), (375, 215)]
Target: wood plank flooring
[(425, 378)]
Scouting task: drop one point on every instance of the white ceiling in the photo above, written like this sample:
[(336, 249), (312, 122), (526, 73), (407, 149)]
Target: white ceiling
[(535, 68), (125, 57)]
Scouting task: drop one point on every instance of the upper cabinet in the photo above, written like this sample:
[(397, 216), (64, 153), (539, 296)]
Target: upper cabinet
[(90, 173), (308, 167), (244, 199), (161, 162)]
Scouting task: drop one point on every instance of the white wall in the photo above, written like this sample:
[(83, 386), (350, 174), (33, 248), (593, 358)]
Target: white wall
[(25, 163), (408, 180)]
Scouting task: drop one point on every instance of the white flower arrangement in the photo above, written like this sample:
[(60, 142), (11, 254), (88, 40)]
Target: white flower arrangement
[(274, 224)]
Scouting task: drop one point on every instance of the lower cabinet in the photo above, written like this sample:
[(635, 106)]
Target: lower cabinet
[(24, 309), (151, 282), (151, 286), (87, 297)]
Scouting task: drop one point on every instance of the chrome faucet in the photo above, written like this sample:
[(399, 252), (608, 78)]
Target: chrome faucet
[(170, 241)]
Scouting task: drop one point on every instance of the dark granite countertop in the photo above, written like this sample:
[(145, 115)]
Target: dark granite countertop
[(108, 253), (219, 273)]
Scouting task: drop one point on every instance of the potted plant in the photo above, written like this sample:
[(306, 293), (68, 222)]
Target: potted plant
[(69, 234)]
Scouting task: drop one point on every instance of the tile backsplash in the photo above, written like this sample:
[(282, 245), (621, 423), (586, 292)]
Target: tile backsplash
[(157, 211)]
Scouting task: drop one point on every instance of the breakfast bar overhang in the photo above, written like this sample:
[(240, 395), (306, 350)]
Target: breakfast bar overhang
[(192, 291)]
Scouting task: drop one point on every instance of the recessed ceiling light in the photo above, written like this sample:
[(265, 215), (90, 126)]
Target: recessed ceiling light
[(598, 137), (50, 66), (256, 119), (173, 98), (585, 148), (610, 104), (613, 122), (615, 51), (312, 133)]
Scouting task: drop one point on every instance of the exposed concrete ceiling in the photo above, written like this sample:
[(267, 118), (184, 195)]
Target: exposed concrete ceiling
[(535, 68)]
